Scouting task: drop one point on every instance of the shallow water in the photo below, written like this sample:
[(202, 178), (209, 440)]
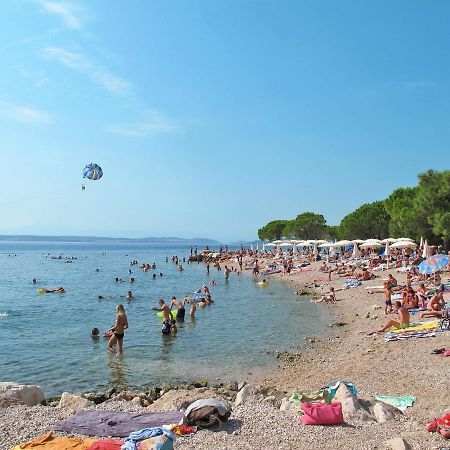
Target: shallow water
[(46, 338)]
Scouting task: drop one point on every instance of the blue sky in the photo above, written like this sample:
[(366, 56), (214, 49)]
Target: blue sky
[(211, 118)]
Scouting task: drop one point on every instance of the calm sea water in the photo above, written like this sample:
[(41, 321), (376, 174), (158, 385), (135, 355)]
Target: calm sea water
[(45, 339)]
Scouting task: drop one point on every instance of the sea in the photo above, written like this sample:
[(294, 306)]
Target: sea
[(46, 338)]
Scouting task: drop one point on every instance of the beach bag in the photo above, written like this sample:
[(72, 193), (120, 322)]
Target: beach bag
[(320, 414)]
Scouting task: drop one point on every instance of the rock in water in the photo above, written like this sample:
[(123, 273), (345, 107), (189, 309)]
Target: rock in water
[(74, 402), (26, 393), (352, 409), (242, 395), (397, 443)]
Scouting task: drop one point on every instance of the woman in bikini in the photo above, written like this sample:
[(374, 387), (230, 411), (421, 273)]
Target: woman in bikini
[(118, 330)]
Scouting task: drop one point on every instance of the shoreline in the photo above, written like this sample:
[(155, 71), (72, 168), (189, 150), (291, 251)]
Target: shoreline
[(344, 352)]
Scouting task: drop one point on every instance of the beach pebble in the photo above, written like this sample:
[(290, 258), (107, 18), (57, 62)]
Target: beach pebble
[(397, 443), (28, 394), (74, 402), (382, 413), (242, 395), (352, 409)]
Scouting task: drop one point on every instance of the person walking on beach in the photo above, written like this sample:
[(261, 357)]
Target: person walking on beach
[(118, 331), (387, 297)]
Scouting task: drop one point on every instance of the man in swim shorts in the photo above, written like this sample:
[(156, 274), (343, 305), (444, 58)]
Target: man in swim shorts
[(180, 308), (167, 316), (404, 318)]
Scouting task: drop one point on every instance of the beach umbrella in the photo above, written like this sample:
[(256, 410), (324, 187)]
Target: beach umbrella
[(326, 244), (426, 253), (387, 250), (270, 244), (343, 243), (278, 242), (388, 240), (403, 244), (315, 250), (358, 241), (404, 239), (421, 242), (433, 264), (371, 245), (356, 252), (368, 241), (285, 244)]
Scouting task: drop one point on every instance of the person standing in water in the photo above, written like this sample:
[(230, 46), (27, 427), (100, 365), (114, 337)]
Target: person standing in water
[(118, 331)]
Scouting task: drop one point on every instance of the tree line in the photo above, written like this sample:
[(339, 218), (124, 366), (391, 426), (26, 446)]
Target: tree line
[(421, 211)]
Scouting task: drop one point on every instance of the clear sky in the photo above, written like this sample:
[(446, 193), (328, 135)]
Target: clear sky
[(210, 118)]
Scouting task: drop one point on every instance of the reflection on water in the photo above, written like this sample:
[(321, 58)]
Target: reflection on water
[(117, 378)]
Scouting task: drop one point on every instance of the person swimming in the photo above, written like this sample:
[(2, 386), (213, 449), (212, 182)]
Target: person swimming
[(129, 295), (95, 333)]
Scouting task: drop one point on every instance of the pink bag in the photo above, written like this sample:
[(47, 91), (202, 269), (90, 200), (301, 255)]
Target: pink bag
[(321, 414)]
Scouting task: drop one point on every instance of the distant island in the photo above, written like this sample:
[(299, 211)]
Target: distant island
[(81, 239)]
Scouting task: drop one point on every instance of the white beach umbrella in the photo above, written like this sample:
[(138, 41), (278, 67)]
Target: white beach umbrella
[(387, 250), (426, 250), (367, 241), (403, 244), (315, 250), (343, 243), (251, 247), (285, 244), (371, 245), (321, 241), (421, 242), (404, 239), (358, 241), (388, 240), (356, 252), (278, 242), (270, 244), (326, 244)]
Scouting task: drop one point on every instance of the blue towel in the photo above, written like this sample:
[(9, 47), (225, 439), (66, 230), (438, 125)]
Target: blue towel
[(333, 387), (145, 433)]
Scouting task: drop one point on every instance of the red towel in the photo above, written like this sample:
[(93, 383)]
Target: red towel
[(106, 444)]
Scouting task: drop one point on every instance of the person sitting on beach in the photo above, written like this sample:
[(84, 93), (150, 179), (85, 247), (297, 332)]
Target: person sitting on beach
[(437, 302), (118, 330), (365, 275), (328, 298), (410, 299), (392, 281), (444, 313), (188, 301), (129, 295), (180, 308), (404, 319)]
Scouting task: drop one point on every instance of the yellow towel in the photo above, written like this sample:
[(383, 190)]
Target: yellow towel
[(423, 326)]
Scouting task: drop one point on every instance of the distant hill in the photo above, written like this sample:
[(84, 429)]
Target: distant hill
[(147, 240)]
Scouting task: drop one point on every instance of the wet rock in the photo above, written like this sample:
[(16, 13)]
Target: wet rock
[(74, 402), (397, 443), (125, 395), (200, 383), (232, 386), (136, 400), (96, 397), (337, 324), (28, 394)]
